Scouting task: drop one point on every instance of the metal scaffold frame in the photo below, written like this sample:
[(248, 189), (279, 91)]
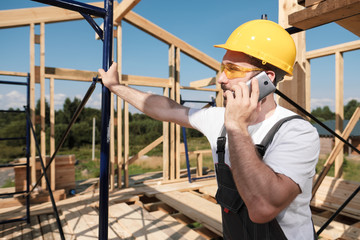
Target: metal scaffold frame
[(107, 37)]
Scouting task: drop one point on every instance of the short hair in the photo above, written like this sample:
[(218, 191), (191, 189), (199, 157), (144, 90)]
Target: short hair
[(279, 74)]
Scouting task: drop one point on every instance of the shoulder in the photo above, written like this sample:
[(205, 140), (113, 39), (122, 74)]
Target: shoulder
[(206, 118)]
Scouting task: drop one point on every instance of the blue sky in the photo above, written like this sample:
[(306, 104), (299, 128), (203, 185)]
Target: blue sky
[(201, 23)]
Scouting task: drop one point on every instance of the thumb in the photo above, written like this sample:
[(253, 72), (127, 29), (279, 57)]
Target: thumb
[(102, 72)]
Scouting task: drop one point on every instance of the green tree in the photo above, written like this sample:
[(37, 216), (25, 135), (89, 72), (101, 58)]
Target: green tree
[(350, 107), (323, 113)]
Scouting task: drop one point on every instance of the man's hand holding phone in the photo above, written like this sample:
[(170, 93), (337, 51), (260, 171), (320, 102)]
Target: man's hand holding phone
[(244, 102)]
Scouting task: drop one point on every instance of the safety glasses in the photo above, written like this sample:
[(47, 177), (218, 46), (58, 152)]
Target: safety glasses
[(234, 71)]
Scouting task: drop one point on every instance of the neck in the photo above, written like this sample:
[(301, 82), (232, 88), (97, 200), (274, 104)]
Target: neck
[(268, 107)]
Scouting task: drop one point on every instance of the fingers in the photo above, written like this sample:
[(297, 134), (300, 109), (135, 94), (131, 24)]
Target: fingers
[(101, 72)]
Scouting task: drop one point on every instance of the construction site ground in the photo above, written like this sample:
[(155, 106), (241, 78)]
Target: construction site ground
[(151, 209)]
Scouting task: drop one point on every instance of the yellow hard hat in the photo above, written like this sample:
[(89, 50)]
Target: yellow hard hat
[(265, 40)]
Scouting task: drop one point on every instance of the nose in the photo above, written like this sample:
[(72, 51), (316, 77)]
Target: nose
[(222, 79)]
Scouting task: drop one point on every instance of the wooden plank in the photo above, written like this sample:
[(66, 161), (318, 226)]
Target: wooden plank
[(78, 224), (333, 193), (120, 159), (52, 133), (123, 8), (351, 24), (166, 157), (35, 228), (159, 223), (177, 126), (11, 73), (65, 74), (323, 13), (195, 207), (200, 89), (32, 104), (159, 33), (26, 16), (42, 100), (26, 230), (203, 82), (339, 109), (209, 190), (309, 3), (182, 229), (45, 227), (344, 47), (145, 150), (112, 143), (335, 230), (294, 86), (139, 226)]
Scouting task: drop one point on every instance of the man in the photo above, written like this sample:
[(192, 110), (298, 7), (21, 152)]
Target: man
[(262, 197)]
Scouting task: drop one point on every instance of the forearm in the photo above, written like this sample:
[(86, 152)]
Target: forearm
[(155, 106), (260, 187)]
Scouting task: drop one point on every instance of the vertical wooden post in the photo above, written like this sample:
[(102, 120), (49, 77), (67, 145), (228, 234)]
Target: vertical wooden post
[(177, 98), (32, 102), (172, 125), (112, 143), (308, 85), (199, 164), (294, 86), (166, 144), (120, 159), (126, 143), (52, 132), (42, 98), (339, 109)]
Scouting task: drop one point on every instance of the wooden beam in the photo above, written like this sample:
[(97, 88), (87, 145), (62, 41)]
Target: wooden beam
[(203, 82), (352, 24), (344, 47), (164, 36), (42, 98), (145, 81), (66, 74), (123, 8), (32, 101), (200, 89), (26, 16), (324, 12), (339, 109), (11, 73), (145, 150)]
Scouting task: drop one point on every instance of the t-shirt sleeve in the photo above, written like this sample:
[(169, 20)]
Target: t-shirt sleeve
[(206, 120), (294, 151)]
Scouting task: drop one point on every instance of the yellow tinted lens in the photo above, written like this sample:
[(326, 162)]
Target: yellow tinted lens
[(233, 71)]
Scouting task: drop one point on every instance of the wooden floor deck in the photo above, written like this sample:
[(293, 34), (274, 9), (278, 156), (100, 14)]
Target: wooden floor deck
[(152, 210)]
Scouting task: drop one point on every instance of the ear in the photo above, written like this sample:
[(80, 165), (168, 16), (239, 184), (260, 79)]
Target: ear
[(271, 75)]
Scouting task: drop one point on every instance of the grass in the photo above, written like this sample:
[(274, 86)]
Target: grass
[(351, 169), (86, 168)]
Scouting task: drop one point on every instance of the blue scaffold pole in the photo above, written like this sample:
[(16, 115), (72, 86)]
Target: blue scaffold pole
[(105, 125)]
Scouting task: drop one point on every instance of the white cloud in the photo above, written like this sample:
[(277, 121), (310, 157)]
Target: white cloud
[(322, 102), (13, 99)]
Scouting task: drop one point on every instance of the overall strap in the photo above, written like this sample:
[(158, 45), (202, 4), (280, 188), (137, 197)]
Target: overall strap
[(221, 141), (270, 135)]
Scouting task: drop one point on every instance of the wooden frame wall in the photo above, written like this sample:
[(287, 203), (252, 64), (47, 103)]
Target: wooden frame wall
[(171, 86), (338, 51)]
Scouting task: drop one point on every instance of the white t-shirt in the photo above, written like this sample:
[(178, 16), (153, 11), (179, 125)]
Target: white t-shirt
[(293, 152)]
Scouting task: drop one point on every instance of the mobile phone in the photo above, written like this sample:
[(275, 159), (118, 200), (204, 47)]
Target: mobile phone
[(266, 86)]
